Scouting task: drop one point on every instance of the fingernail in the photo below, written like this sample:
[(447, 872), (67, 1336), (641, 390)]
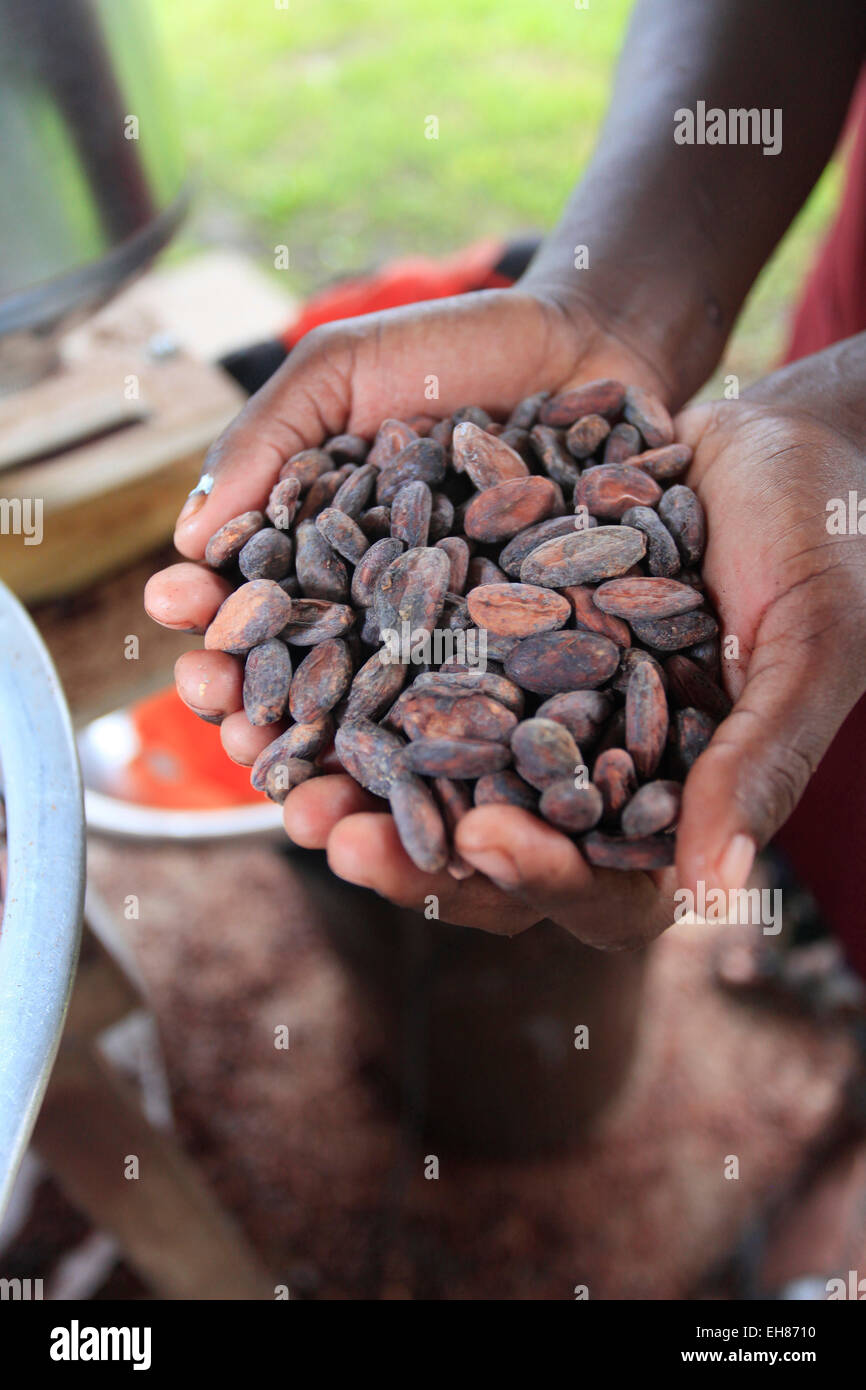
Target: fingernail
[(735, 864), (197, 498), (497, 866)]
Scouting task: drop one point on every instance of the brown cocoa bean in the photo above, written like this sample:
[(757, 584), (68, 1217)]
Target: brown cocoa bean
[(342, 534), (454, 799), (654, 597), (307, 466), (446, 681), (646, 719), (455, 758), (321, 494), (622, 443), (513, 554), (371, 567), (608, 852), (583, 557), (646, 412), (375, 687), (441, 518), (347, 448), (465, 714), (554, 661), (586, 434), (500, 512), (683, 515), (457, 551), (485, 459), (442, 432), (314, 620), (370, 754), (375, 522), (602, 397), (321, 681), (482, 571), (419, 824), (544, 752), (525, 413), (422, 460), (665, 464), (392, 437), (410, 514), (267, 676), (353, 495), (321, 572), (305, 741), (690, 685), (583, 712), (662, 556), (548, 448), (505, 789), (253, 613), (632, 658), (412, 590), (692, 732), (283, 502), (654, 806), (570, 808), (614, 775), (284, 776), (266, 555), (672, 634), (227, 543)]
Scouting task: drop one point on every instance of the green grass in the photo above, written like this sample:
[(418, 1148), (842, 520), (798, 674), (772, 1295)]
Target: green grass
[(305, 126)]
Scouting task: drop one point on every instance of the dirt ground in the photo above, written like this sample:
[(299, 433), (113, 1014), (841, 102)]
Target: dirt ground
[(302, 1148)]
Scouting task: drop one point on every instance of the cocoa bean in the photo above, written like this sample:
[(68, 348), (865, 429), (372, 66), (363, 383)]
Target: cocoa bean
[(441, 518), (392, 437), (603, 397), (614, 775), (592, 619), (455, 758), (554, 661), (321, 572), (665, 464), (501, 511), (506, 789), (683, 515), (690, 685), (226, 544), (631, 659), (586, 434), (267, 676), (672, 634), (370, 754), (342, 534), (646, 412), (654, 806), (321, 681), (307, 466), (463, 714), (544, 752), (662, 556), (305, 741), (454, 799), (371, 567), (622, 443), (654, 597), (322, 493), (412, 590), (646, 719), (525, 413), (512, 555), (570, 808), (608, 852), (284, 776), (347, 448), (582, 712), (422, 460), (548, 449), (313, 620), (457, 551), (375, 687), (485, 459), (448, 681), (483, 571), (375, 522), (353, 495), (253, 613), (419, 824), (583, 557), (612, 488), (410, 514), (266, 555), (283, 503), (517, 610), (692, 732)]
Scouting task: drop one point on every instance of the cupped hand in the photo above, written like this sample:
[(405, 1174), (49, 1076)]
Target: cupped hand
[(489, 349)]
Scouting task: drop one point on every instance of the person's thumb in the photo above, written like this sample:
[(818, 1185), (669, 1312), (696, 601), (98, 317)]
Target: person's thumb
[(304, 403), (805, 674)]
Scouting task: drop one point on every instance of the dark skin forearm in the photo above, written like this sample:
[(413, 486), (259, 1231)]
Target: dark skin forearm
[(677, 233)]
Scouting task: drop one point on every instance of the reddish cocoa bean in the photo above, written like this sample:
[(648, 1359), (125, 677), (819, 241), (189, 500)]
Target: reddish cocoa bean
[(570, 808), (544, 752), (683, 515), (226, 544), (441, 518), (654, 807), (375, 522), (321, 681), (314, 620), (631, 659), (505, 789), (485, 459), (610, 489), (253, 613), (428, 714), (592, 619), (321, 494), (602, 397), (483, 571), (646, 719), (653, 597), (287, 774), (283, 502), (266, 555), (500, 512), (646, 412), (375, 688), (517, 610), (267, 676), (447, 681), (554, 661), (665, 464), (586, 434), (608, 852), (455, 758), (614, 775), (419, 824), (513, 554), (410, 514), (454, 799)]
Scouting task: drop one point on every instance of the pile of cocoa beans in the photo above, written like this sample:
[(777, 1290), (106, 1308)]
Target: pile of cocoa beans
[(559, 547)]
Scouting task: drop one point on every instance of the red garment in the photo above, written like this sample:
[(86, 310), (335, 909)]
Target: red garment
[(826, 835)]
